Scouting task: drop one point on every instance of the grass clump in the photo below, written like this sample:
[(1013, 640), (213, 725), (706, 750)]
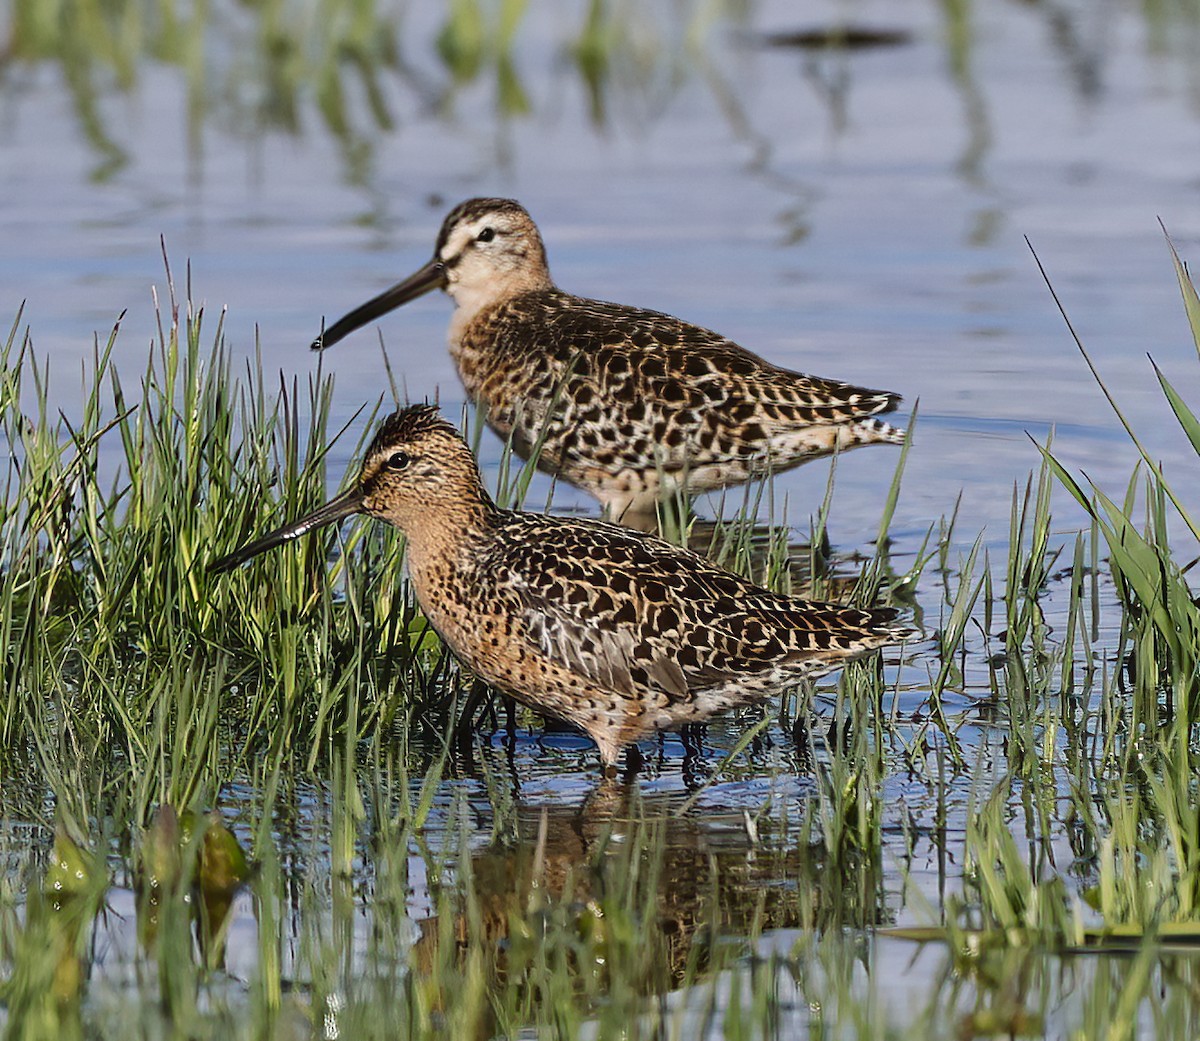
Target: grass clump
[(109, 623)]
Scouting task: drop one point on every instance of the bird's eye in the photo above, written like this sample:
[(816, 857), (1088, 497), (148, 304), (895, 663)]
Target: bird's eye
[(398, 460), (486, 235)]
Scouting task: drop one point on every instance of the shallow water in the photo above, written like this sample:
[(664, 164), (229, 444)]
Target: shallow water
[(858, 214)]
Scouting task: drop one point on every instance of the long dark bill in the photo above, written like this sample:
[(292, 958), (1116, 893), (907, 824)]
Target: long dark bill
[(349, 502), (431, 276)]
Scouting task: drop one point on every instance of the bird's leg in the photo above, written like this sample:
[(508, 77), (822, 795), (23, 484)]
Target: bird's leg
[(839, 736), (802, 738), (692, 736), (464, 729), (634, 762), (510, 718)]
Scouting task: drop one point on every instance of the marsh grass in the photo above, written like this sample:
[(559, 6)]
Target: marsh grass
[(1105, 747)]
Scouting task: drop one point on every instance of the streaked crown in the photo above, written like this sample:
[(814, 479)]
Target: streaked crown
[(418, 467)]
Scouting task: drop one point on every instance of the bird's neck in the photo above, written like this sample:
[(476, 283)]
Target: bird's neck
[(444, 537), (473, 299)]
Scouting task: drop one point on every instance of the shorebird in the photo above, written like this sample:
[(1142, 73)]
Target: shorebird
[(632, 406), (617, 632)]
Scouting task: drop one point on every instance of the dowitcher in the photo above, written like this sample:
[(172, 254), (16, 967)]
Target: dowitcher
[(632, 406), (618, 633)]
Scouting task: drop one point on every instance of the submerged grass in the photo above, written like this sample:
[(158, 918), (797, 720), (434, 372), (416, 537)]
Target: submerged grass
[(1019, 789)]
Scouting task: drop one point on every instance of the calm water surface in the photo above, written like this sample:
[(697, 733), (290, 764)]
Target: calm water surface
[(859, 214)]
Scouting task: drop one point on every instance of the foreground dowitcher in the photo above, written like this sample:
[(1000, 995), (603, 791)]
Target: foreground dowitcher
[(616, 632), (633, 406)]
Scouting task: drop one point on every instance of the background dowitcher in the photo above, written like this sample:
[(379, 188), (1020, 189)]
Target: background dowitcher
[(631, 405)]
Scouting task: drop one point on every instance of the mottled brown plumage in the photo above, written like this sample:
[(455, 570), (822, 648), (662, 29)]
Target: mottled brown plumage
[(616, 632), (628, 404)]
